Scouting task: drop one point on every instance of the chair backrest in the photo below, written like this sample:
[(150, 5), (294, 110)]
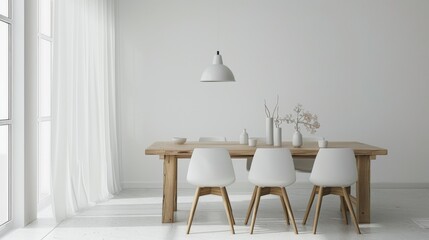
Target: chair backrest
[(334, 167), (212, 139), (272, 167), (210, 167)]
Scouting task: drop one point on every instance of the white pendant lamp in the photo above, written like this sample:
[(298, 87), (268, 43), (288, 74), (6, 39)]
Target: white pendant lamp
[(217, 72)]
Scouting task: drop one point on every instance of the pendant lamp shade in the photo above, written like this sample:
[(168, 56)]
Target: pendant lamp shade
[(217, 72)]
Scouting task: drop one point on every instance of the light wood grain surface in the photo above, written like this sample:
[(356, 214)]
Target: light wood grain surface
[(238, 150)]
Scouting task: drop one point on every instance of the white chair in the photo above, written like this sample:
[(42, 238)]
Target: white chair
[(210, 169), (334, 171), (271, 171), (212, 139)]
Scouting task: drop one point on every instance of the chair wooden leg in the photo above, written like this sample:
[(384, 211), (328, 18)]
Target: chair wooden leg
[(319, 203), (285, 210), (343, 210), (194, 206), (289, 209), (352, 213), (310, 202), (345, 205), (226, 203), (229, 207), (249, 209), (255, 209)]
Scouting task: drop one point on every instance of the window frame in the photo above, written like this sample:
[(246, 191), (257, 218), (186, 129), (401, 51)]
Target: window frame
[(42, 202), (9, 121)]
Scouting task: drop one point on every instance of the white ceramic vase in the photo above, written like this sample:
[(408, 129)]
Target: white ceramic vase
[(297, 139), (269, 131), (277, 137), (244, 137)]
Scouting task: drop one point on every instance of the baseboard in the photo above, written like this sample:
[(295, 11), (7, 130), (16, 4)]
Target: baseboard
[(246, 186), (149, 185), (412, 185), (6, 228)]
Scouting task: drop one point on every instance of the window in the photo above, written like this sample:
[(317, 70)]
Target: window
[(5, 111), (4, 8), (4, 68), (4, 174), (44, 100)]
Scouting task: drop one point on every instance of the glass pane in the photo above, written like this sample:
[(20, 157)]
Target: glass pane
[(44, 159), (44, 78), (45, 17), (4, 70), (4, 173), (4, 8)]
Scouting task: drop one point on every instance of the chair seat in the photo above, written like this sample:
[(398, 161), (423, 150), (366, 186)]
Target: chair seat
[(331, 183), (270, 182), (211, 182)]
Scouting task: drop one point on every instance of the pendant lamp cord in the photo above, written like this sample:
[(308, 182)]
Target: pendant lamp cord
[(218, 25)]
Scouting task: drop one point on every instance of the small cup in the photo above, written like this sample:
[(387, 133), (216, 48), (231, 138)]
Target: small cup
[(252, 142), (323, 143)]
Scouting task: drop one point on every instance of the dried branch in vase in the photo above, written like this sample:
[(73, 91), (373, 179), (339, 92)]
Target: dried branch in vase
[(267, 110), (301, 117)]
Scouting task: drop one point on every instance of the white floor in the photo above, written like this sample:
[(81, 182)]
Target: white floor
[(136, 214)]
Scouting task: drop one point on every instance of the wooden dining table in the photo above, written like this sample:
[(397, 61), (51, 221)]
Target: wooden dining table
[(170, 153)]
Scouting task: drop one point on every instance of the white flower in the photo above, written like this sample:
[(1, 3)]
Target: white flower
[(307, 119)]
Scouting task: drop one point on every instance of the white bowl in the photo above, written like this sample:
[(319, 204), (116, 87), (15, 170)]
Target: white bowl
[(178, 140)]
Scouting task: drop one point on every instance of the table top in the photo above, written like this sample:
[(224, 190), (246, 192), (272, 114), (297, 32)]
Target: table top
[(238, 150)]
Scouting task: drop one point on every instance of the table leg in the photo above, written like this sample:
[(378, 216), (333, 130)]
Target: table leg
[(363, 189), (170, 189), (175, 185)]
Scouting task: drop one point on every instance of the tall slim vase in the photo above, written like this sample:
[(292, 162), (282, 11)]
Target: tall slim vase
[(277, 137), (269, 131)]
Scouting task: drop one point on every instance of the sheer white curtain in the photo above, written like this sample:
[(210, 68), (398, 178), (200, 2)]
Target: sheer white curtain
[(85, 167)]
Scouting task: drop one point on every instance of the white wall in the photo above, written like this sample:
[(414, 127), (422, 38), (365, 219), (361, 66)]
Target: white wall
[(362, 66)]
